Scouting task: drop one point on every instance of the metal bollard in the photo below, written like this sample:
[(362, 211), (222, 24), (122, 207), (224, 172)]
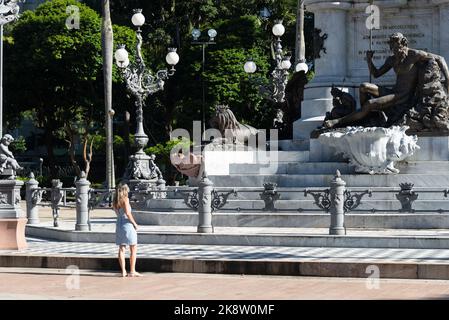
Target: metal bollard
[(82, 203), (56, 197), (337, 198), (205, 206), (33, 197)]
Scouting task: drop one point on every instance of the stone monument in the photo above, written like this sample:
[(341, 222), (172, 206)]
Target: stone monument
[(12, 218), (404, 143)]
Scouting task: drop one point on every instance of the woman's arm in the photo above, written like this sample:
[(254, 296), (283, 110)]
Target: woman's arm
[(129, 214)]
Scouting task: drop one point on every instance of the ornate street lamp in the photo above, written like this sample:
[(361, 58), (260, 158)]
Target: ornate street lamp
[(280, 73), (141, 83), (9, 12)]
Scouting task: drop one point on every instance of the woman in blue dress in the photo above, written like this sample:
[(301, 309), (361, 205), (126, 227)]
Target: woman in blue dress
[(126, 230)]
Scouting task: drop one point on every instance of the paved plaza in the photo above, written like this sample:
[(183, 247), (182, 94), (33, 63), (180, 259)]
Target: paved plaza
[(56, 284), (209, 252)]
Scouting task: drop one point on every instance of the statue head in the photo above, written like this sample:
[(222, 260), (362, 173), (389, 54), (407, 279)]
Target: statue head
[(398, 44), (335, 92), (224, 119), (7, 139)]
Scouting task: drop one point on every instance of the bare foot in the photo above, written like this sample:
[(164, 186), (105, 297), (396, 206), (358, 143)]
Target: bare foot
[(135, 274), (124, 274)]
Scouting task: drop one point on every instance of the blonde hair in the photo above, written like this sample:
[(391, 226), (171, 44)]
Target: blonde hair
[(121, 193)]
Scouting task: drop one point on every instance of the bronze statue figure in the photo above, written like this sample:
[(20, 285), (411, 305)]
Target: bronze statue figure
[(407, 63), (343, 103), (318, 43)]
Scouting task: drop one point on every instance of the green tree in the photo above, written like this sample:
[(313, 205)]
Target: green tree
[(56, 71)]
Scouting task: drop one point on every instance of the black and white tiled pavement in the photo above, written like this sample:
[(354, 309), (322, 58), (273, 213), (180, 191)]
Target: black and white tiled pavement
[(214, 252)]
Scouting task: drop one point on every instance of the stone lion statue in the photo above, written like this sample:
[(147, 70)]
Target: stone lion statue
[(231, 130)]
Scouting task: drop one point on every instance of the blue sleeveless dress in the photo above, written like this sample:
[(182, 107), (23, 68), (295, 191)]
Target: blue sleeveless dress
[(125, 234)]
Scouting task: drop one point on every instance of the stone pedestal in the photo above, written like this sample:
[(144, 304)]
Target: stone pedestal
[(142, 185), (12, 218), (12, 234), (141, 174)]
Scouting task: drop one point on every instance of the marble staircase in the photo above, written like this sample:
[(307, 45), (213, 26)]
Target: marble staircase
[(295, 167)]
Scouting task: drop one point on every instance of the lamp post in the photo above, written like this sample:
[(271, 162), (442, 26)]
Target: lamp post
[(196, 33), (141, 83), (9, 12), (280, 73)]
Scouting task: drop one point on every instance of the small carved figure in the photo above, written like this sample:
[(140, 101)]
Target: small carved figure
[(318, 43), (278, 121), (154, 169), (343, 103), (6, 157)]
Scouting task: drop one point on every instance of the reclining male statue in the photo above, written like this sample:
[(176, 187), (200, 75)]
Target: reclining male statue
[(406, 63)]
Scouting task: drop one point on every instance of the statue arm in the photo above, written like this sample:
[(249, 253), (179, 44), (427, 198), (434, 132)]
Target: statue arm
[(6, 151), (382, 70)]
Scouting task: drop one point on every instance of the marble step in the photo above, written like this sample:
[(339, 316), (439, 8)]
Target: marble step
[(282, 156), (440, 180), (292, 168), (258, 156), (367, 205), (291, 237), (434, 167), (235, 260), (297, 220), (219, 162), (290, 145)]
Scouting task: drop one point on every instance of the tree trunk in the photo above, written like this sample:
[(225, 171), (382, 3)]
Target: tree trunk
[(49, 143), (107, 37), (70, 139)]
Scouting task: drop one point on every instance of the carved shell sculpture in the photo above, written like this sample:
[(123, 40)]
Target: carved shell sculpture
[(372, 150)]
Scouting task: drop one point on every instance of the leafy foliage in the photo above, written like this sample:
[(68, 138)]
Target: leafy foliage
[(58, 71), (55, 73), (18, 146)]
